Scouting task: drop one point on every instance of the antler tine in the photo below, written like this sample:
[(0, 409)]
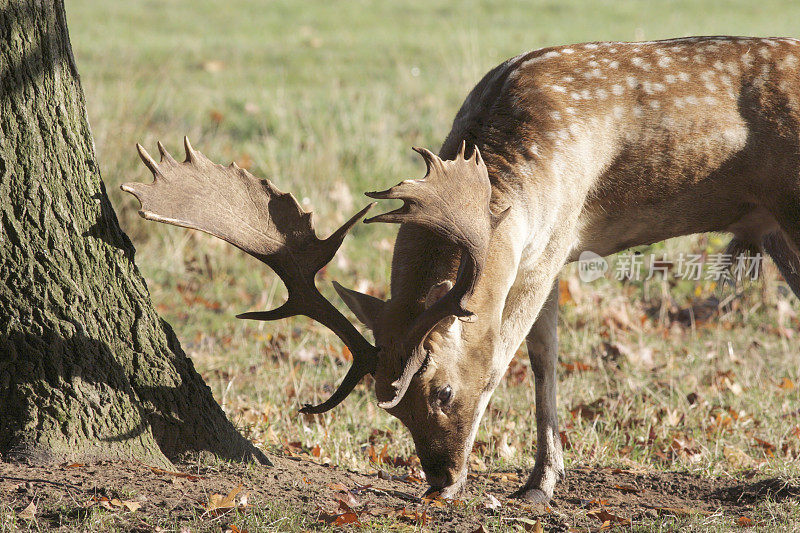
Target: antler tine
[(452, 200), (253, 215), (147, 159)]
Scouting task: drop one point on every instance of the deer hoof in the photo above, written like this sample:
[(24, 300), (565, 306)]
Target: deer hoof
[(531, 495)]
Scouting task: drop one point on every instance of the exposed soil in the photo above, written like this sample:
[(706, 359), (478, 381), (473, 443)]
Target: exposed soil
[(311, 489)]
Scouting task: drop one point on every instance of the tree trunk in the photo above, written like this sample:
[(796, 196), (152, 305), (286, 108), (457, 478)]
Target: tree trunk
[(87, 368)]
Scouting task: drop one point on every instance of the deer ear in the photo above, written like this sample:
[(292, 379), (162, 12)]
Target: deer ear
[(366, 308), (437, 291)]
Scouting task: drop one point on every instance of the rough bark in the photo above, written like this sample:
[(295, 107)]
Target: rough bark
[(87, 368)]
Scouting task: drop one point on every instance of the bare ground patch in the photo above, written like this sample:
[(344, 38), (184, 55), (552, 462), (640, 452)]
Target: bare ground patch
[(301, 495)]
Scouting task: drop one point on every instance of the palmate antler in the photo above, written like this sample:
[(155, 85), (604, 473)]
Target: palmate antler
[(253, 215), (452, 200)]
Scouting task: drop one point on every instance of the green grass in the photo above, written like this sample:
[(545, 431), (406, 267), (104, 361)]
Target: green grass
[(325, 98)]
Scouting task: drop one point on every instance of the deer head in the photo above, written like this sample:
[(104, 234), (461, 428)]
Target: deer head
[(425, 372)]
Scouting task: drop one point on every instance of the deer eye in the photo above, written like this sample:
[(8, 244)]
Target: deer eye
[(445, 394)]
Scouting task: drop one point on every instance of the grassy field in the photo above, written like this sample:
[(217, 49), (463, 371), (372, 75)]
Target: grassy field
[(325, 98)]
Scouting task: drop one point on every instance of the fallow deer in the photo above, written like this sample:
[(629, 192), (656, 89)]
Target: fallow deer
[(598, 146)]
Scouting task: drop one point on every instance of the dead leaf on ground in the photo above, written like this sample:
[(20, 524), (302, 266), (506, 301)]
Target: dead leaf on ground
[(492, 502), (736, 457), (528, 524), (29, 513), (113, 504), (219, 503), (744, 521), (604, 516), (627, 489)]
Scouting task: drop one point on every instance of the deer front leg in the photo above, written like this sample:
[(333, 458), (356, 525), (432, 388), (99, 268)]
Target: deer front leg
[(542, 344)]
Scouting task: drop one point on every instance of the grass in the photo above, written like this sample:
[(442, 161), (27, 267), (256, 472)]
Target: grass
[(325, 98)]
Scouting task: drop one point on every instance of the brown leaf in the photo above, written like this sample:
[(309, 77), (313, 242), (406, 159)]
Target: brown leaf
[(218, 502), (627, 489), (76, 465), (577, 366), (348, 498), (768, 447), (744, 521), (604, 516), (29, 513), (339, 487)]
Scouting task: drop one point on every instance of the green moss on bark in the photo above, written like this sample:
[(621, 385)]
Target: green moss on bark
[(87, 368)]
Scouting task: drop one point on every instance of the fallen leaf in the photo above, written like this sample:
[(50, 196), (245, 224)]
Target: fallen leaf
[(786, 384), (492, 502), (337, 487), (527, 524), (736, 457), (768, 447), (604, 516), (29, 513), (218, 502), (627, 489), (744, 521), (76, 465), (348, 498)]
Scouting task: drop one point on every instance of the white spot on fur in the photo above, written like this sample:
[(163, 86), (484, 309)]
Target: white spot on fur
[(575, 95), (691, 100), (558, 88), (632, 82), (618, 111), (670, 78), (788, 62), (555, 115), (568, 51), (726, 80), (637, 111), (664, 62), (602, 94), (764, 53), (574, 129), (593, 63), (570, 110), (747, 59), (679, 102), (614, 65), (710, 87), (567, 79), (563, 135), (655, 104), (550, 54), (683, 76), (617, 89), (709, 100), (590, 46), (640, 63), (699, 58)]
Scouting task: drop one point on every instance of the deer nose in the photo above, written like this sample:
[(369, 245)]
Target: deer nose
[(436, 472)]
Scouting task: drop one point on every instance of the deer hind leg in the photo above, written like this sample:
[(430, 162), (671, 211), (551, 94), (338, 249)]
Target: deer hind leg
[(542, 344), (783, 248)]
